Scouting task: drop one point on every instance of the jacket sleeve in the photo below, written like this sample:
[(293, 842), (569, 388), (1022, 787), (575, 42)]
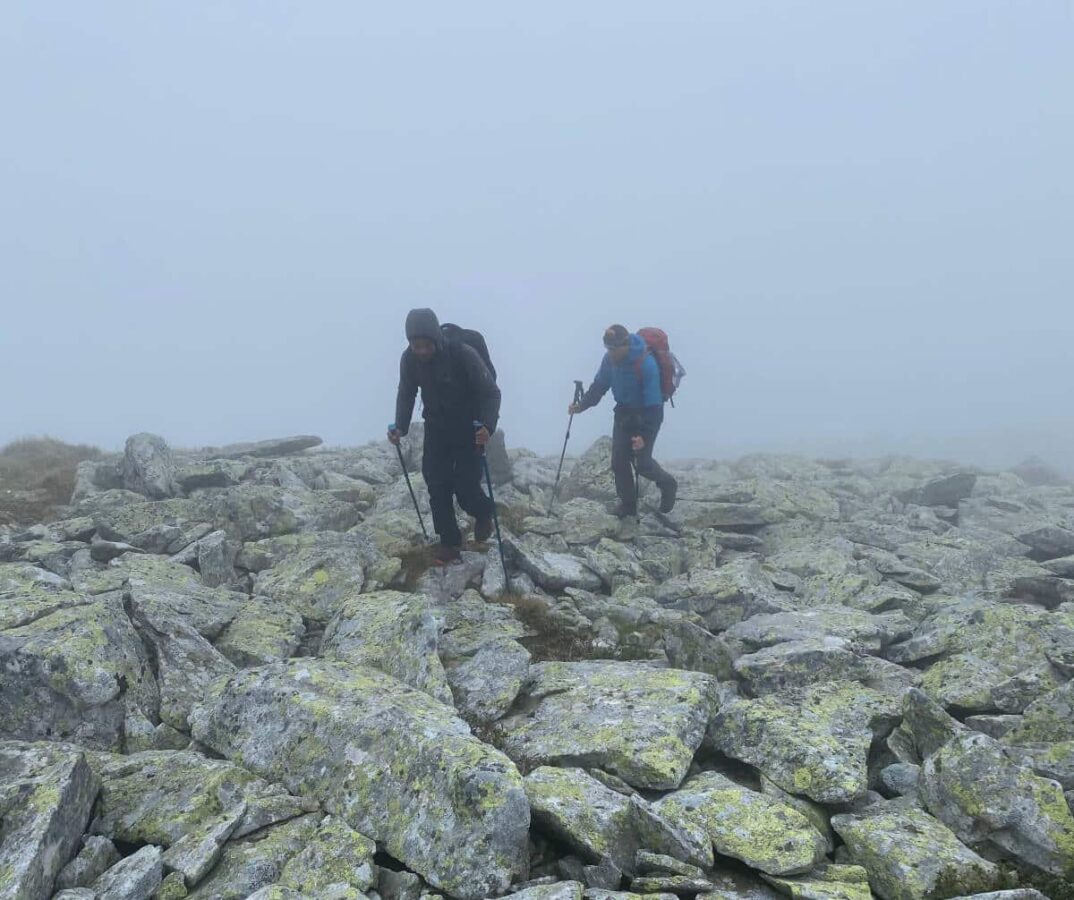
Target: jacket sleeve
[(601, 382), (404, 398), (484, 387)]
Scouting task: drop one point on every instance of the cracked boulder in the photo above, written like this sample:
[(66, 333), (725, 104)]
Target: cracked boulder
[(46, 797), (394, 632), (759, 830), (75, 674), (909, 855), (391, 761), (814, 741), (641, 723)]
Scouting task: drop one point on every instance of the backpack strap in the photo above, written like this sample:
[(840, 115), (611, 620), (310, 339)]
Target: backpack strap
[(639, 363)]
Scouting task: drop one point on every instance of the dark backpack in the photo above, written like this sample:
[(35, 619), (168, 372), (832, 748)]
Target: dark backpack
[(453, 334), (671, 370)]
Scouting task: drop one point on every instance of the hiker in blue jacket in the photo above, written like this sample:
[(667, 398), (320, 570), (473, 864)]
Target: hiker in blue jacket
[(633, 375)]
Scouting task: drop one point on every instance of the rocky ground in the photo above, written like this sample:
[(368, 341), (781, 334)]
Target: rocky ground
[(230, 674)]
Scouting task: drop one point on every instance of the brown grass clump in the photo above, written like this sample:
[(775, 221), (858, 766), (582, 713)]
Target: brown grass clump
[(548, 639), (37, 475), (416, 560)]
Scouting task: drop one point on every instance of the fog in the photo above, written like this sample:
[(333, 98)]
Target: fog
[(854, 220)]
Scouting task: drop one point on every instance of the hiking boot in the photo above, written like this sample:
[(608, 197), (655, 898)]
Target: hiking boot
[(668, 493), (444, 554), (482, 529), (625, 511)]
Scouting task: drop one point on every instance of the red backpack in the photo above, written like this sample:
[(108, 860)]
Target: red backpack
[(671, 370)]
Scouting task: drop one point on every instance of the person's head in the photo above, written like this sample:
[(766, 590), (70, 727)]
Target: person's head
[(617, 343), (423, 333)]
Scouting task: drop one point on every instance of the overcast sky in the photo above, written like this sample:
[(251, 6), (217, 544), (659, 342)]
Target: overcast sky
[(855, 220)]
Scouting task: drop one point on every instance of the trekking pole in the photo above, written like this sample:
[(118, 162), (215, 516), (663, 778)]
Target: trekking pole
[(637, 489), (410, 487), (495, 516), (578, 391)]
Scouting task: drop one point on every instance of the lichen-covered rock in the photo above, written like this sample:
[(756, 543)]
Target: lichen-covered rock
[(160, 797), (256, 861), (314, 574), (392, 762), (484, 663), (252, 512), (446, 583), (1054, 761), (266, 448), (689, 646), (551, 565), (864, 629), (75, 674), (28, 593), (215, 556), (261, 632), (672, 884), (724, 596), (46, 796), (981, 794), (196, 852), (175, 590), (594, 820), (335, 860), (813, 741), (560, 890), (185, 662), (578, 521), (394, 632), (135, 878), (761, 831), (947, 490), (173, 887), (831, 882), (148, 466), (909, 855), (486, 684), (670, 835), (798, 664), (98, 854), (248, 512), (1050, 718), (641, 723), (591, 475)]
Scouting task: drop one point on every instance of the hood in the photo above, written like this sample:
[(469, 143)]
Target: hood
[(423, 323), (637, 348)]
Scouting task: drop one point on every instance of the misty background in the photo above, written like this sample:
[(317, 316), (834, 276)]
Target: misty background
[(854, 220)]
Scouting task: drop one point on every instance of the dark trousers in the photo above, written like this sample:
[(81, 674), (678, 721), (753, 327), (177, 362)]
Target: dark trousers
[(627, 424), (452, 468)]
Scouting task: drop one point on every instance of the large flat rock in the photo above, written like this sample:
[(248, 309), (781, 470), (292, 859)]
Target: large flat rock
[(636, 721), (391, 761)]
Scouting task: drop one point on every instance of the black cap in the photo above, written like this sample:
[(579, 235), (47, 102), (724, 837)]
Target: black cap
[(616, 336)]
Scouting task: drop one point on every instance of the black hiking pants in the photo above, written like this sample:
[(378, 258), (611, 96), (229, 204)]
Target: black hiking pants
[(627, 424), (452, 467)]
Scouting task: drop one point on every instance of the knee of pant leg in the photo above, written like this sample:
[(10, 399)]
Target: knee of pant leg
[(437, 483), (646, 467)]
